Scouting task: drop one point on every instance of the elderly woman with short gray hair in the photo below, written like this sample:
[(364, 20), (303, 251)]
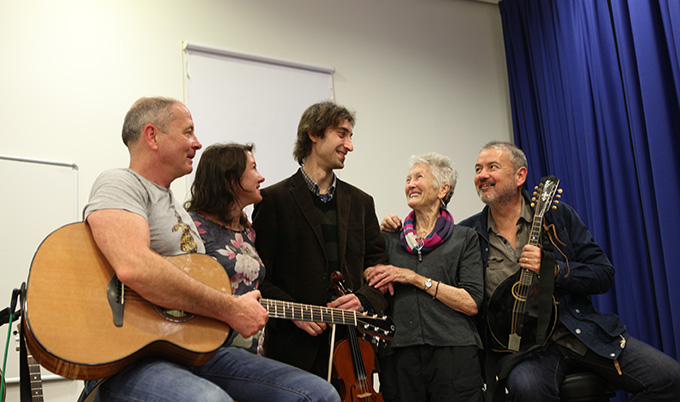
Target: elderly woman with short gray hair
[(436, 280)]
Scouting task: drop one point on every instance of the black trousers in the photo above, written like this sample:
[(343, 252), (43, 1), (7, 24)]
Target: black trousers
[(431, 373)]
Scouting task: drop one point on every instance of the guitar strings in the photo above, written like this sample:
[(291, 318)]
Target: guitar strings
[(521, 295), (286, 309), (310, 311)]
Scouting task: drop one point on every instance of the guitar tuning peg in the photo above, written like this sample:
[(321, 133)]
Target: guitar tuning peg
[(532, 205), (554, 207), (559, 190), (556, 202), (535, 188), (558, 196)]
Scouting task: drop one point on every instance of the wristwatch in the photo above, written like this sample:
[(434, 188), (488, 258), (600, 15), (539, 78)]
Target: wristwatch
[(428, 284)]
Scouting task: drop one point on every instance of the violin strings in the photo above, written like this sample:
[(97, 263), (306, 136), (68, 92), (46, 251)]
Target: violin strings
[(360, 372)]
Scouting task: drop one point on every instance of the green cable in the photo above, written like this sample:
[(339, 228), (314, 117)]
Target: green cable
[(4, 362)]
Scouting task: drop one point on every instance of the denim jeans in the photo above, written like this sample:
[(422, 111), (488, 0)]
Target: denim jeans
[(233, 374), (647, 373)]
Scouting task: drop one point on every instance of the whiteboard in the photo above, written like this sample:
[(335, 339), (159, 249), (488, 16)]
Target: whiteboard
[(37, 198), (246, 98)]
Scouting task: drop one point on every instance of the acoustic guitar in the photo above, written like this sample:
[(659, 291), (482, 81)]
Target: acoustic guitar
[(512, 314), (82, 323)]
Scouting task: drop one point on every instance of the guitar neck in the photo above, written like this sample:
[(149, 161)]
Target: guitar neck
[(36, 379), (306, 312), (535, 234), (534, 238)]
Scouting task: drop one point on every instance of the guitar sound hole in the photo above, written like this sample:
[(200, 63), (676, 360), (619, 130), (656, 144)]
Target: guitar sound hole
[(174, 315)]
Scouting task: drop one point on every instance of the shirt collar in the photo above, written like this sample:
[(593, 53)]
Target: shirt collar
[(314, 188), (527, 212), (526, 215)]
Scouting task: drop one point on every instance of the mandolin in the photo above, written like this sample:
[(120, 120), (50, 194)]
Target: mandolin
[(512, 315), (82, 323)]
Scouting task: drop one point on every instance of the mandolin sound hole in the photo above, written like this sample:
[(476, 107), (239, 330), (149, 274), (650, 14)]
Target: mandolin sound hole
[(174, 315), (517, 290)]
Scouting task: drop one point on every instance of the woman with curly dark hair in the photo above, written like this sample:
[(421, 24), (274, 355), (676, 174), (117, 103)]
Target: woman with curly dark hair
[(226, 181)]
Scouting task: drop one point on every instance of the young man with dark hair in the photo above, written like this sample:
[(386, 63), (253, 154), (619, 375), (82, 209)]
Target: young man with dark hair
[(310, 225)]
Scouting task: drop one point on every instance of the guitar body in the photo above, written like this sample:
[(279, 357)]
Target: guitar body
[(509, 313), (69, 322)]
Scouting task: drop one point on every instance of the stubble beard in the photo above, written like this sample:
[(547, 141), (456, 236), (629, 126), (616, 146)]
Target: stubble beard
[(501, 196)]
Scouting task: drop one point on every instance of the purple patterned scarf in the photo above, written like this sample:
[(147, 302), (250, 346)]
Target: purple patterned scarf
[(442, 231)]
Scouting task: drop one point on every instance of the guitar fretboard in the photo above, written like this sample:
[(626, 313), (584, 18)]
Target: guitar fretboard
[(36, 379), (306, 312), (534, 236)]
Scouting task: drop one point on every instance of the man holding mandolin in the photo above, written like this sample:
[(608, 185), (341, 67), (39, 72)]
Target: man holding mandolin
[(136, 221), (567, 259)]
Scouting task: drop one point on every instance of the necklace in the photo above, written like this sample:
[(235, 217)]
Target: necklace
[(421, 234)]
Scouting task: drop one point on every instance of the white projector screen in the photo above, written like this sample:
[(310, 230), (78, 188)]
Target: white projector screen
[(237, 97)]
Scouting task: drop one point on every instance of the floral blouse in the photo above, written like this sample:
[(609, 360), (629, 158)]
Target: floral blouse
[(235, 250)]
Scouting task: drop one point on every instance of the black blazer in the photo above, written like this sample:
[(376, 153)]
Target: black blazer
[(290, 243)]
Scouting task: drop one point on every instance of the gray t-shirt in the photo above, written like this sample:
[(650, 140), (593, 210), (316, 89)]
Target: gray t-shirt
[(172, 230)]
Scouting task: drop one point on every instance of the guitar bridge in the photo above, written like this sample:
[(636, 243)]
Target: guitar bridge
[(114, 293)]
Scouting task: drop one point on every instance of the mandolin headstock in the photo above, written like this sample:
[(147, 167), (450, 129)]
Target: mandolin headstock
[(545, 195)]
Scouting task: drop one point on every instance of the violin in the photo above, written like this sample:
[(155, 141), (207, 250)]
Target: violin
[(353, 360)]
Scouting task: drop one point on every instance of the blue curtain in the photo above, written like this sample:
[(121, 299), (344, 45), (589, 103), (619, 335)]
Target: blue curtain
[(595, 95)]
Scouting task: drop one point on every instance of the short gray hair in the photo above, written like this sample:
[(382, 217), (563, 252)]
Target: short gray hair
[(442, 169), (517, 156), (155, 110)]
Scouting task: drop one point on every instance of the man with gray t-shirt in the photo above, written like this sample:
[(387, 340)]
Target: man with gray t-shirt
[(136, 221)]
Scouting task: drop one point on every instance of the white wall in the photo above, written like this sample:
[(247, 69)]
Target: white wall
[(423, 75)]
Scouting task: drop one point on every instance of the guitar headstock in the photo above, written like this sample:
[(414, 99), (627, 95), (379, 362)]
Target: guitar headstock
[(375, 325), (545, 194)]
